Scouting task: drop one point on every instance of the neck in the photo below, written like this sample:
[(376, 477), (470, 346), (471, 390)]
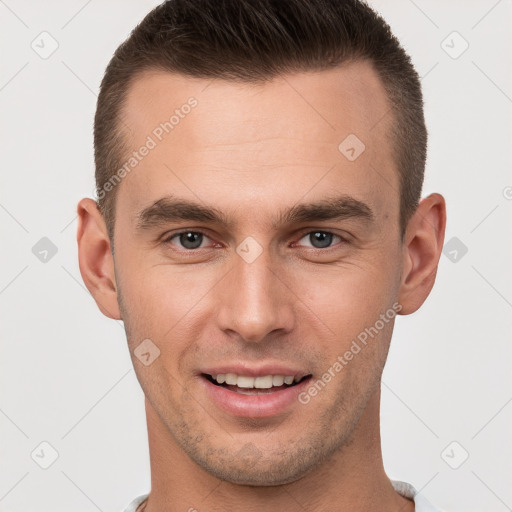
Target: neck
[(353, 479)]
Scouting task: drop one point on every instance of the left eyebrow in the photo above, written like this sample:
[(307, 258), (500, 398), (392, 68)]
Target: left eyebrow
[(336, 208)]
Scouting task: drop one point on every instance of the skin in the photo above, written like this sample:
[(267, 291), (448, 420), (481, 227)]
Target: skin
[(251, 151)]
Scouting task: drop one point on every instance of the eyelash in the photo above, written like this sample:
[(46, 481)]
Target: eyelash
[(308, 232), (168, 239)]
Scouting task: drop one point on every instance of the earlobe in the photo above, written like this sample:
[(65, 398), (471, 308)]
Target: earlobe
[(422, 248), (95, 258)]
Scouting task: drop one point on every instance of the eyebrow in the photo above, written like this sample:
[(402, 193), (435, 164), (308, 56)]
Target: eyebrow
[(336, 208), (171, 209)]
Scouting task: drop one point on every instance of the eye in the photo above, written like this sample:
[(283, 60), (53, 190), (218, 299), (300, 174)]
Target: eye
[(320, 239), (188, 239)]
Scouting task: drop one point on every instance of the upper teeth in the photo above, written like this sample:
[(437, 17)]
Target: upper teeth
[(243, 381)]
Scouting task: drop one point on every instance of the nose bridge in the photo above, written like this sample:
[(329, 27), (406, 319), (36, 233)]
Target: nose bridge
[(254, 301)]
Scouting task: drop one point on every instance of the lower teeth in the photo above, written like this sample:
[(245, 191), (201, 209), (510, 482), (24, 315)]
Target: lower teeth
[(255, 391)]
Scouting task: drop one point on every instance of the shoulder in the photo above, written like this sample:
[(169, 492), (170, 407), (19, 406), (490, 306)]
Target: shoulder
[(132, 507), (421, 504)]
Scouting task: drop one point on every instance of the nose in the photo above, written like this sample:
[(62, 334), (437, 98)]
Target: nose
[(255, 300)]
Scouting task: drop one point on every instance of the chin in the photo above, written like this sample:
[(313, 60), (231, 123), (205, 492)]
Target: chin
[(255, 476), (248, 466)]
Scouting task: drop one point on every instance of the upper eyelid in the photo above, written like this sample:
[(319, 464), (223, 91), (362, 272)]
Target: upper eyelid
[(343, 239), (343, 235), (169, 236), (308, 231), (301, 234)]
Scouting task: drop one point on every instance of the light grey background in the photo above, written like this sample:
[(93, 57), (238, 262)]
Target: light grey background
[(65, 373)]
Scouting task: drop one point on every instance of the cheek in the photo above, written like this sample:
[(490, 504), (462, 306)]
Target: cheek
[(164, 304), (157, 310), (350, 296)]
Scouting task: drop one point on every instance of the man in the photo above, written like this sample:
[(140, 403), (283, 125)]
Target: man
[(258, 228)]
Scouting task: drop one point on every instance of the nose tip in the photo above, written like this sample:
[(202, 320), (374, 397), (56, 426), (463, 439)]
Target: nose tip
[(254, 312), (254, 302)]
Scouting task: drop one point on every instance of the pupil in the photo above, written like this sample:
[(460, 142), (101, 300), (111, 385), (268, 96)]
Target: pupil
[(191, 240), (320, 239)]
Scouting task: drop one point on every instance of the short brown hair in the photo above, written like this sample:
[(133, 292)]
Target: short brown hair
[(254, 41)]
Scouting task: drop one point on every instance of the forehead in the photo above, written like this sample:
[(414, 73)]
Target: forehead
[(291, 136)]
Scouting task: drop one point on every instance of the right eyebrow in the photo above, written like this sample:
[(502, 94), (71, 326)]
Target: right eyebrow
[(168, 209)]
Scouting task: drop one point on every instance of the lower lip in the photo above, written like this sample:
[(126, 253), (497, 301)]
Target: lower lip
[(254, 406)]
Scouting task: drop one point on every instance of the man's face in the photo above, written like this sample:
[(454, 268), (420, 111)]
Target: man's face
[(284, 301)]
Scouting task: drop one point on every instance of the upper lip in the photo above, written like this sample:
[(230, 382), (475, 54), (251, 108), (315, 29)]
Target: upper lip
[(256, 371)]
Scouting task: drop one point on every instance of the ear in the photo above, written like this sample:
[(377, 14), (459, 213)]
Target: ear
[(95, 258), (422, 248)]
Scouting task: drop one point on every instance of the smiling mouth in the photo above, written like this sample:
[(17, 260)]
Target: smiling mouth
[(245, 385)]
